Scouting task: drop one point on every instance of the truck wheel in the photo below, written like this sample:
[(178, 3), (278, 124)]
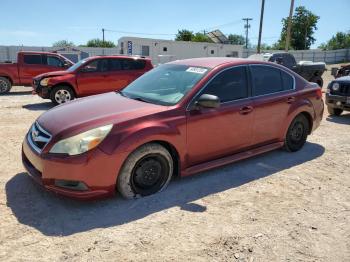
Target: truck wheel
[(334, 111), (5, 85), (297, 134), (318, 80), (61, 94), (146, 171)]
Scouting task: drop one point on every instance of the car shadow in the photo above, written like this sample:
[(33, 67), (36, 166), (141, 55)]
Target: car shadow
[(17, 93), (344, 119), (58, 216), (39, 106)]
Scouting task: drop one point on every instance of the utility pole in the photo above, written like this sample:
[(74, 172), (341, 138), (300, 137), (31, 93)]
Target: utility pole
[(246, 26), (289, 24), (261, 24), (103, 35)]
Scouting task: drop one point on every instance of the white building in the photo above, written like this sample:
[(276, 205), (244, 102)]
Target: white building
[(162, 51)]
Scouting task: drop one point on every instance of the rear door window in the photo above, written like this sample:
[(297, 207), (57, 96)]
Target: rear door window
[(288, 81), (229, 85), (115, 65), (266, 80), (32, 59), (133, 64)]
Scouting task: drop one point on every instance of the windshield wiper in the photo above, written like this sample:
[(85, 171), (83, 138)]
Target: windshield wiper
[(141, 99)]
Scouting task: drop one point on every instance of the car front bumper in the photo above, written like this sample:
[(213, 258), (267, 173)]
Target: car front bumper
[(42, 91), (335, 101), (95, 171)]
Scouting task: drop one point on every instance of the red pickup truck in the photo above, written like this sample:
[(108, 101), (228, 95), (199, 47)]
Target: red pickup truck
[(90, 76), (29, 65)]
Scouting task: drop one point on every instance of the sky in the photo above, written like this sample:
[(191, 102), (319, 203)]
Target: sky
[(42, 22)]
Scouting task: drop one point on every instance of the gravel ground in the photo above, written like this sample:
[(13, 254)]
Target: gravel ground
[(275, 207)]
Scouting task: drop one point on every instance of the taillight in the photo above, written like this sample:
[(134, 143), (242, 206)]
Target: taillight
[(319, 93)]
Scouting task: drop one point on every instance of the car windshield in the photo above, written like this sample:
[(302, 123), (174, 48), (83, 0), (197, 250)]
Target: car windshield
[(77, 65), (166, 84)]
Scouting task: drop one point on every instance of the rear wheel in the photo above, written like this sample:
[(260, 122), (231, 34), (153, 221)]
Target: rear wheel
[(334, 111), (297, 134), (146, 171), (61, 94), (5, 85)]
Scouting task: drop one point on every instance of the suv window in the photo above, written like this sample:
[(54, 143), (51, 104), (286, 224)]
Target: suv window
[(288, 81), (229, 85), (131, 64), (266, 80), (98, 65), (32, 59), (54, 61), (115, 65)]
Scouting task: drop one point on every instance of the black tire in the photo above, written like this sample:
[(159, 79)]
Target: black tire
[(61, 94), (5, 85), (146, 171), (297, 134), (318, 80), (334, 111)]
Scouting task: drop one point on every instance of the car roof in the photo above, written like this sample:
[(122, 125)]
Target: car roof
[(119, 56), (212, 62)]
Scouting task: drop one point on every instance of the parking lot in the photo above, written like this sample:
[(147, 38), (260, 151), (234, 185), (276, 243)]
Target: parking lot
[(275, 207)]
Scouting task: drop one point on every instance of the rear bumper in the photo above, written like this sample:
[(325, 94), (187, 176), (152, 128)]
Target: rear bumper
[(335, 101), (95, 170)]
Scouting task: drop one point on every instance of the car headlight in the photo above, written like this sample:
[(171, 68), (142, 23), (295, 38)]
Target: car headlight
[(82, 142), (44, 81), (335, 86)]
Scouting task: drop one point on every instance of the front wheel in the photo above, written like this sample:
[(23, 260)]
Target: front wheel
[(5, 85), (334, 111), (297, 134), (146, 171), (61, 94)]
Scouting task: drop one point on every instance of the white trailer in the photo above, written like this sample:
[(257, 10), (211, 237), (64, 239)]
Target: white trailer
[(162, 51)]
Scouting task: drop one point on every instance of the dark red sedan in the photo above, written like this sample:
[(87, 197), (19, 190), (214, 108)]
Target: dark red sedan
[(178, 119)]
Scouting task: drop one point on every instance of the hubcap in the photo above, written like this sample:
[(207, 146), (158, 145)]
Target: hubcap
[(62, 96), (3, 86)]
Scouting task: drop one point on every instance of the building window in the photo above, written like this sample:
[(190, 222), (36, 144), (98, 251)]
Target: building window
[(165, 49), (212, 52), (145, 50)]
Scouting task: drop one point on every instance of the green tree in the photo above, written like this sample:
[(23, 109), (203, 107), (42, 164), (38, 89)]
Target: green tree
[(99, 43), (303, 28), (63, 43), (200, 37), (236, 39), (184, 35), (339, 41)]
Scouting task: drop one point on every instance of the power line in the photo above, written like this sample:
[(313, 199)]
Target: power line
[(246, 26)]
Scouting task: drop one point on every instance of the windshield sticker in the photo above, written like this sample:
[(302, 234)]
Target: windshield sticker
[(197, 70)]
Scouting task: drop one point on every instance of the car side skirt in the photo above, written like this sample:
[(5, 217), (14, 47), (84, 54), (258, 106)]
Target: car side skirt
[(231, 159)]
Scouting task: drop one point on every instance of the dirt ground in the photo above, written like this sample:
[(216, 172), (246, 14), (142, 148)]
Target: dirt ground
[(275, 207)]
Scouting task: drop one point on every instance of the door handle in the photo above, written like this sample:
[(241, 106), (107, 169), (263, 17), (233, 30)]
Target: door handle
[(245, 110), (290, 99)]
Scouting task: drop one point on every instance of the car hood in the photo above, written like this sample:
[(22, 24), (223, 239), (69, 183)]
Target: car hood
[(90, 112), (52, 74)]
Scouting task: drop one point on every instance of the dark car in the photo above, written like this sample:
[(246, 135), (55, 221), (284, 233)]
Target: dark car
[(338, 96), (311, 71), (178, 119)]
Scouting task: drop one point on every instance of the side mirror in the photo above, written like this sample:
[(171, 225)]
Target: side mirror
[(207, 101)]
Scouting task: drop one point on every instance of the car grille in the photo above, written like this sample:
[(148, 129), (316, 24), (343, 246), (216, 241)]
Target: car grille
[(344, 90), (38, 137)]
